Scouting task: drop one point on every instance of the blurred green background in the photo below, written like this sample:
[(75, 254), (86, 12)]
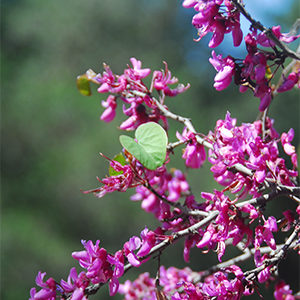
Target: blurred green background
[(51, 135)]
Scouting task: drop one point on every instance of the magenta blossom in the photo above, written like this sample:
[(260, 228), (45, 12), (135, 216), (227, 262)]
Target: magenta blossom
[(263, 40), (289, 82), (110, 82), (48, 291), (110, 111), (76, 285), (212, 17), (120, 182), (289, 149), (194, 153), (133, 244), (162, 80), (148, 241), (94, 260), (136, 73), (142, 288), (264, 233), (177, 186), (283, 291), (225, 68), (244, 144)]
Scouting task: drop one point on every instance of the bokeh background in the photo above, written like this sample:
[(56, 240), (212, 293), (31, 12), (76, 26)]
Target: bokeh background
[(51, 135)]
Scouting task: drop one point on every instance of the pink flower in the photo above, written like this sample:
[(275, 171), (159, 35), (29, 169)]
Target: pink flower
[(120, 182), (94, 260), (133, 244), (110, 82), (177, 186), (162, 80), (218, 28), (194, 153), (212, 17), (189, 243), (263, 40), (289, 82), (48, 291), (110, 111), (283, 291), (189, 3), (137, 115), (225, 68), (244, 145), (148, 241), (142, 288), (289, 149), (137, 72), (264, 92), (76, 285), (237, 34), (207, 237), (264, 275), (251, 210), (264, 233), (118, 261), (289, 220)]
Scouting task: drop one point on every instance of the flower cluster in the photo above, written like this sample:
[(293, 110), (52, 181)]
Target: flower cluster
[(100, 266), (171, 279), (283, 291), (129, 87), (216, 17), (194, 153), (247, 146), (170, 186), (254, 72), (228, 224), (123, 179)]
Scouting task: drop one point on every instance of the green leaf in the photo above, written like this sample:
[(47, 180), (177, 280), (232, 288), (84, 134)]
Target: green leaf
[(151, 146), (121, 159), (83, 85)]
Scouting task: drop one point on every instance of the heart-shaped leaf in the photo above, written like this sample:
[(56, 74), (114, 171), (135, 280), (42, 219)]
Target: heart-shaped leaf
[(151, 146)]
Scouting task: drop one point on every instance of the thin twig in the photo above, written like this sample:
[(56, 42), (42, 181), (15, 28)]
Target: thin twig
[(172, 146), (183, 209), (267, 31)]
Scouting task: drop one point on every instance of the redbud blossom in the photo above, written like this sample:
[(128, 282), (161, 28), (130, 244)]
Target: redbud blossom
[(283, 291), (119, 182), (289, 82), (162, 80), (110, 111), (48, 291), (76, 285), (244, 144), (225, 68), (194, 153)]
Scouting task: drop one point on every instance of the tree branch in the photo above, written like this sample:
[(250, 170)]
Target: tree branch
[(277, 257), (267, 31)]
